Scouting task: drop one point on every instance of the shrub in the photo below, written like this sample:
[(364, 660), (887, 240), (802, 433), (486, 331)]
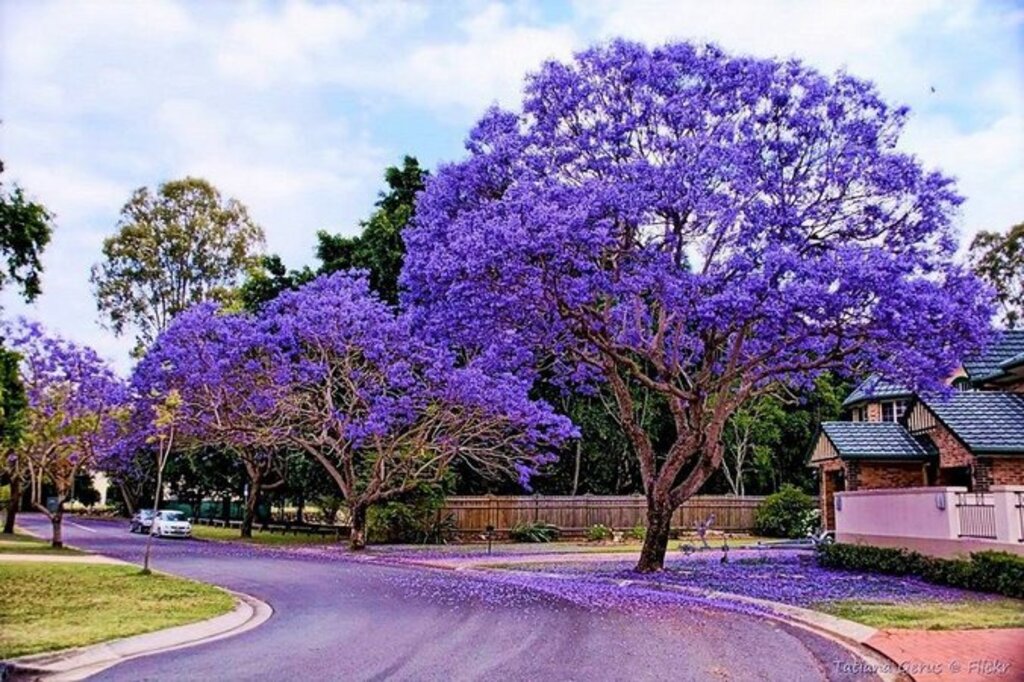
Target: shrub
[(538, 531), (867, 558), (599, 533), (998, 572), (637, 532), (413, 518), (789, 513)]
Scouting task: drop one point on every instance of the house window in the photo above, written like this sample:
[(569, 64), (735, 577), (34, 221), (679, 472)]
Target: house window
[(893, 410), (962, 384)]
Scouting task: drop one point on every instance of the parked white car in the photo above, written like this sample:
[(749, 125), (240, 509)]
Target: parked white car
[(171, 524)]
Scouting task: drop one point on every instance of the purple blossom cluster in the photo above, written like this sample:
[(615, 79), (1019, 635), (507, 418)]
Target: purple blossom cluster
[(754, 200)]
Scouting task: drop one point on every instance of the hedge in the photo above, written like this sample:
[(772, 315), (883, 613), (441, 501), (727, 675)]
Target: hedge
[(998, 572)]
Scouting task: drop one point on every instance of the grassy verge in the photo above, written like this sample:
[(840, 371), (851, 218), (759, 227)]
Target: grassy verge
[(994, 613), (261, 537), (55, 606), (26, 544)]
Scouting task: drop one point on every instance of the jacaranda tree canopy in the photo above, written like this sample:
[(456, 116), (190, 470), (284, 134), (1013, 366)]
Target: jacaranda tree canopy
[(697, 225), (331, 371)]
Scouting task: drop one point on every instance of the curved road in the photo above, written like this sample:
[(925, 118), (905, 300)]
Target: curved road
[(338, 619)]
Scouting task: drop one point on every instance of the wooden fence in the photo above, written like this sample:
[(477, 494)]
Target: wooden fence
[(574, 515)]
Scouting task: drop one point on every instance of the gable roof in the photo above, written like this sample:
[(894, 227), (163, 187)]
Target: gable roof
[(986, 422), (876, 388), (1015, 361), (874, 440), (989, 364)]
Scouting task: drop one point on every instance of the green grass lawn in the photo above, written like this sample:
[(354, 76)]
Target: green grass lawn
[(261, 537), (20, 543), (995, 613), (56, 606)]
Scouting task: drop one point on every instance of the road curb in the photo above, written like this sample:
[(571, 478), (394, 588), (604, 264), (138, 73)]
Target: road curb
[(81, 662)]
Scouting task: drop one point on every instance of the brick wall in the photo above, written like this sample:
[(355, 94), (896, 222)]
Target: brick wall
[(1002, 470), (852, 475), (873, 475), (828, 483), (952, 453)]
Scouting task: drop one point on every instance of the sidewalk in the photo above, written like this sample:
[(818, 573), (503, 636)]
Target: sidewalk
[(961, 655)]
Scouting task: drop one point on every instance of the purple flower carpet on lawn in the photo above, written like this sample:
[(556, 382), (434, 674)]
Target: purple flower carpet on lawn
[(788, 577)]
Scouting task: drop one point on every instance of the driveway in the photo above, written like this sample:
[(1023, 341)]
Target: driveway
[(356, 620)]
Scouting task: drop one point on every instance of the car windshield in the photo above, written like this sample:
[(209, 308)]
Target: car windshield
[(172, 516), (146, 514)]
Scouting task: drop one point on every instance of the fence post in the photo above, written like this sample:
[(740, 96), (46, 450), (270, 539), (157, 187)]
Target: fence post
[(492, 510), (536, 507)]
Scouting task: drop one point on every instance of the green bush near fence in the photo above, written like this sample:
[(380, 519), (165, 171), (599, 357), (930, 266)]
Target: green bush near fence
[(997, 572), (537, 531), (789, 513), (599, 533)]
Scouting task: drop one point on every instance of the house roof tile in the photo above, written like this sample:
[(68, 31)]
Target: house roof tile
[(876, 388), (874, 440), (989, 364), (986, 422)]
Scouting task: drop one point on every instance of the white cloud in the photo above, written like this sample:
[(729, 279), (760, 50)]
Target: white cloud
[(484, 63)]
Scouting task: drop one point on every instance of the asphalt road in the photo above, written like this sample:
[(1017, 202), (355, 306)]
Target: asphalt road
[(336, 619)]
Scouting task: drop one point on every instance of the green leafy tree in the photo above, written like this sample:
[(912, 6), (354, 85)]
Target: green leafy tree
[(751, 437), (379, 248), (772, 435), (174, 247), (268, 278), (12, 414), (999, 259), (25, 230)]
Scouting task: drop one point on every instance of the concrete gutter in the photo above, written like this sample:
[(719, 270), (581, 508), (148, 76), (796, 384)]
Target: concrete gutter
[(82, 662)]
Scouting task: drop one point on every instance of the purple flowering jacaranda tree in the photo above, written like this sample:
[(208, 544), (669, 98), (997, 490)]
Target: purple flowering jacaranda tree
[(698, 227), (218, 370), (385, 412), (75, 402)]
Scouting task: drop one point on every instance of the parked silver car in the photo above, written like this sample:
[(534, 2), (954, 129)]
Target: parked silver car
[(142, 521), (171, 524)]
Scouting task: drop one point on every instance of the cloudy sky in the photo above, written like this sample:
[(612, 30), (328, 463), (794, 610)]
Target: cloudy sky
[(295, 108)]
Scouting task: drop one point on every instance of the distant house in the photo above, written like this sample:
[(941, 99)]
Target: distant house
[(891, 438)]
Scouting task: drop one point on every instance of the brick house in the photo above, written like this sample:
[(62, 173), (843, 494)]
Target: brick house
[(892, 438)]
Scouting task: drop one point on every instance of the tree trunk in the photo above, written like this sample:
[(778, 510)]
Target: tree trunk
[(251, 501), (300, 509), (357, 536), (56, 520), (659, 520), (225, 509), (156, 509), (576, 468), (12, 505)]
